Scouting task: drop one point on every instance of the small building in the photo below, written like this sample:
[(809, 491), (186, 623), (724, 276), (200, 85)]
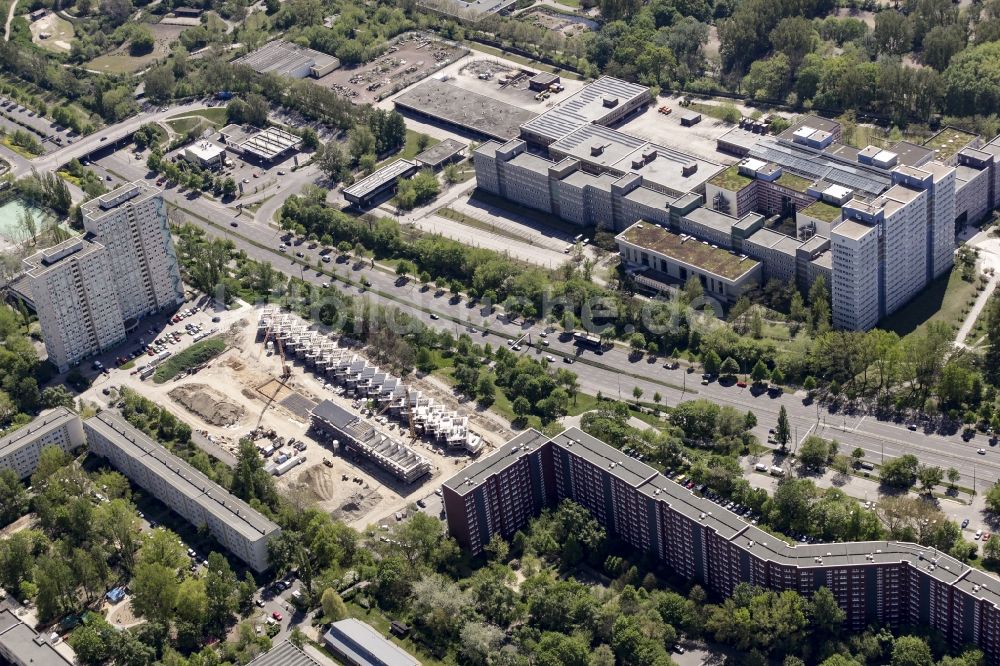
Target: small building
[(358, 644), (287, 59), (38, 14), (187, 12), (365, 190), (286, 654), (115, 595), (267, 145), (690, 118), (441, 154), (205, 154), (542, 81)]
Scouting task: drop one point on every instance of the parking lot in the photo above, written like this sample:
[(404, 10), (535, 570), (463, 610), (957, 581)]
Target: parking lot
[(14, 116)]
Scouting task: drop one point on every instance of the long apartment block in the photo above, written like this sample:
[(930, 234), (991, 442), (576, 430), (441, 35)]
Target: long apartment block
[(20, 450), (883, 582), (238, 527)]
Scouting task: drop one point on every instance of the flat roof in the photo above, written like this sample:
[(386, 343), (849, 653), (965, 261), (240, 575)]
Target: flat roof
[(471, 111), (271, 142), (26, 644), (40, 262), (599, 145), (793, 182), (824, 259), (812, 165), (364, 646), (730, 179), (712, 219), (482, 469), (911, 154), (822, 210), (650, 198), (691, 251), (949, 141), (852, 229), (440, 152), (205, 150), (814, 122), (584, 107), (380, 178), (133, 193), (182, 476), (38, 427), (285, 654), (668, 167), (772, 240)]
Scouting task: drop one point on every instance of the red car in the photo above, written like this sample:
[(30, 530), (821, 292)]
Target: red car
[(741, 384), (986, 536), (276, 615)]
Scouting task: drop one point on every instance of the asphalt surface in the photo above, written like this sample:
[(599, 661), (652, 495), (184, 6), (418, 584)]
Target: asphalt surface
[(613, 374)]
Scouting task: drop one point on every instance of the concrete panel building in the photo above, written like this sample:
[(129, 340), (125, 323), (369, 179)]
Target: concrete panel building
[(131, 222), (21, 645), (886, 582), (75, 293), (20, 450), (856, 273), (237, 527)]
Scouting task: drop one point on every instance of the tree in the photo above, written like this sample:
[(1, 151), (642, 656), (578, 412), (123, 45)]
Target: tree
[(892, 34), (220, 591), (991, 364), (521, 407), (711, 363), (993, 498), (360, 141), (953, 476), (929, 477), (729, 368), (250, 480), (154, 591), (422, 142), (857, 455), (911, 651), (117, 523), (486, 390), (334, 608), (405, 268), (783, 432), (941, 43), (825, 616), (972, 82), (637, 393), (819, 305), (160, 82), (992, 550), (333, 162), (794, 36), (814, 453), (749, 421), (759, 374), (900, 472)]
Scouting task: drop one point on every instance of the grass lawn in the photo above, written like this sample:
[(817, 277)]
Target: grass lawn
[(410, 148), (196, 354), (462, 218), (483, 48), (718, 111), (575, 4), (60, 33), (380, 623), (216, 116), (185, 125), (23, 152), (942, 300)]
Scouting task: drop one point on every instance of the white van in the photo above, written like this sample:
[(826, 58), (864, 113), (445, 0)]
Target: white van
[(777, 471), (760, 467)]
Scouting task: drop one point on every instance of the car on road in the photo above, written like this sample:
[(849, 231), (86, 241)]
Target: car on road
[(567, 359), (280, 172), (979, 535), (516, 347), (704, 382), (259, 602), (421, 503), (544, 343), (326, 259), (741, 384), (981, 452), (234, 224), (965, 523), (104, 138), (438, 492), (434, 316), (911, 426), (550, 358), (282, 247)]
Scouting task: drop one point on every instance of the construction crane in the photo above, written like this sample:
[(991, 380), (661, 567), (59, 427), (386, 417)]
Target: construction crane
[(286, 372)]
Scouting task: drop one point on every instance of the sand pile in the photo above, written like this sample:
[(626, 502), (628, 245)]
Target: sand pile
[(357, 504), (207, 403)]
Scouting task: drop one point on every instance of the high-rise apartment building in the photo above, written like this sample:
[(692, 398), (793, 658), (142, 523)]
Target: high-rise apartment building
[(89, 291), (131, 222), (884, 582), (73, 289)]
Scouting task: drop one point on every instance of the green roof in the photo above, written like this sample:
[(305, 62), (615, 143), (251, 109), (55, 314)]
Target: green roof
[(949, 141), (691, 251), (793, 182), (731, 179), (821, 210)]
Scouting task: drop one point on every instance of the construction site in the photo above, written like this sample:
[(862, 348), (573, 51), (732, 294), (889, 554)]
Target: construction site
[(265, 387)]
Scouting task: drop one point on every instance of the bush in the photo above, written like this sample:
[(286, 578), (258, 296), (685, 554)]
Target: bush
[(193, 356)]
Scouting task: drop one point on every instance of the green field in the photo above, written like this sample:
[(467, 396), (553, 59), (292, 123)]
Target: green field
[(942, 300), (195, 355), (120, 62)]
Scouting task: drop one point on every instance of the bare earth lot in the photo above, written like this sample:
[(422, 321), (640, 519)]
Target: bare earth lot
[(408, 61), (119, 61)]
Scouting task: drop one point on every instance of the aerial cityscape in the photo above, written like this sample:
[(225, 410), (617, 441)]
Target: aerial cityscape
[(499, 333)]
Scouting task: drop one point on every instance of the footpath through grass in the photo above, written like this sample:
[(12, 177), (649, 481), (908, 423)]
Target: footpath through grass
[(195, 355)]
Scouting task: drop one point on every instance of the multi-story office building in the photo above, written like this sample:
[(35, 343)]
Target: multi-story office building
[(885, 582), (237, 527), (73, 288), (20, 450), (131, 222), (856, 276)]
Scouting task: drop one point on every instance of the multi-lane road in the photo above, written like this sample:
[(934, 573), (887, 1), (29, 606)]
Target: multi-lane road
[(614, 373)]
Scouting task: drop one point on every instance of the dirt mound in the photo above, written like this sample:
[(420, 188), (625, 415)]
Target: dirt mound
[(357, 505), (319, 482), (207, 403)]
